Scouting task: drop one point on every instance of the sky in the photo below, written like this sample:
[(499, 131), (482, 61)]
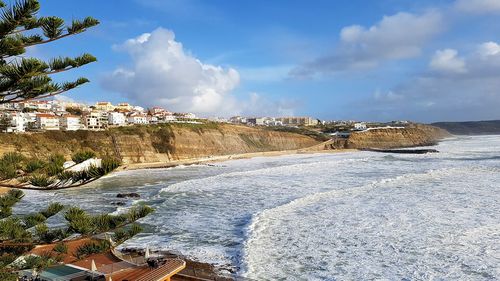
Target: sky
[(377, 60)]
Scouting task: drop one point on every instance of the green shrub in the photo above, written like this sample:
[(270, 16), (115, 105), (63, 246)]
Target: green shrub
[(79, 221), (8, 200), (134, 230), (92, 247), (109, 164), (13, 229), (66, 175), (46, 235), (7, 171), (53, 169), (120, 236), (80, 156), (57, 159), (34, 165), (12, 158), (52, 209), (61, 248), (103, 222), (136, 213), (33, 219), (40, 180), (8, 276)]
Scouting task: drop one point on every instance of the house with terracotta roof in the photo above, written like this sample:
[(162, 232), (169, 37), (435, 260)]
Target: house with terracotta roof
[(70, 122), (104, 106), (45, 121)]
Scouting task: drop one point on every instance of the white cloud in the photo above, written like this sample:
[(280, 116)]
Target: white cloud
[(447, 61), (400, 36), (478, 6), (447, 92), (163, 73), (489, 49)]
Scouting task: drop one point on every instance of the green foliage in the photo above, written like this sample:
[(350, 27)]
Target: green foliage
[(33, 219), (74, 111), (83, 155), (7, 171), (92, 247), (46, 235), (79, 221), (52, 209), (12, 229), (40, 180), (53, 169), (61, 248), (138, 212), (12, 158), (120, 236), (9, 163), (109, 164), (28, 78), (34, 165), (8, 276), (7, 201), (40, 263), (134, 230), (66, 175), (57, 159)]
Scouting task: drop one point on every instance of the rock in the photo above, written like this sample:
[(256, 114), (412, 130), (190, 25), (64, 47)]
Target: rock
[(128, 195), (118, 203)]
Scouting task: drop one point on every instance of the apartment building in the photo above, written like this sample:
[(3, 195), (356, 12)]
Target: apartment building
[(70, 123), (48, 122), (116, 119)]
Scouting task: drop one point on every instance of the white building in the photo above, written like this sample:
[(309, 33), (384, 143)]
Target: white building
[(138, 108), (70, 123), (46, 121), (57, 106), (16, 122), (104, 106), (116, 119), (137, 119), (168, 118), (360, 126), (11, 106), (96, 120)]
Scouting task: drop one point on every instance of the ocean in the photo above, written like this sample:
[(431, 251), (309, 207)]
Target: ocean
[(325, 216)]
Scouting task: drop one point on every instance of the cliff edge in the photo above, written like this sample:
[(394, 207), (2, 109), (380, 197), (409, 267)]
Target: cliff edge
[(386, 138), (157, 143)]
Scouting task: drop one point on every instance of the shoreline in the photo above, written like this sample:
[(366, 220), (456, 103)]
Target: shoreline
[(319, 148), (221, 158)]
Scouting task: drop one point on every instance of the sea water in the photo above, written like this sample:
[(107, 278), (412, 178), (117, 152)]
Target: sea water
[(331, 216)]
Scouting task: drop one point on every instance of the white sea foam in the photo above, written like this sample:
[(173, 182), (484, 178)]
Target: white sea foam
[(345, 216)]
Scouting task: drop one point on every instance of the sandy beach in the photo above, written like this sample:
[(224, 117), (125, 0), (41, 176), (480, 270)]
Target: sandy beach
[(319, 148)]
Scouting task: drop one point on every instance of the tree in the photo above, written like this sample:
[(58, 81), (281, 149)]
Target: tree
[(21, 78)]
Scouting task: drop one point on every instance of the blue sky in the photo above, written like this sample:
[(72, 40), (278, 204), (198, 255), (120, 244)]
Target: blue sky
[(366, 60)]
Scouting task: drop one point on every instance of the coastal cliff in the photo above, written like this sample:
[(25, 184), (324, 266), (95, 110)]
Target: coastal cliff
[(159, 143), (386, 138)]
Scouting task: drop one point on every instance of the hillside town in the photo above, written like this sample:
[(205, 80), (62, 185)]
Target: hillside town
[(70, 116), (48, 115)]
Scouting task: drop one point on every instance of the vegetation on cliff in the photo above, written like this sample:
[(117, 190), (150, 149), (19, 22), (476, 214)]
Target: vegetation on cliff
[(19, 234), (17, 170)]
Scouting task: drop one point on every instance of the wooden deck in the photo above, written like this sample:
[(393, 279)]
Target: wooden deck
[(144, 273)]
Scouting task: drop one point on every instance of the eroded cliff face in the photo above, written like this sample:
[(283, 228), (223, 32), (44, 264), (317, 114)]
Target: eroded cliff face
[(413, 135), (143, 144)]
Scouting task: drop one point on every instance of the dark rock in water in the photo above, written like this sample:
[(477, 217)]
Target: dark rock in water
[(118, 203), (403, 151), (128, 195)]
